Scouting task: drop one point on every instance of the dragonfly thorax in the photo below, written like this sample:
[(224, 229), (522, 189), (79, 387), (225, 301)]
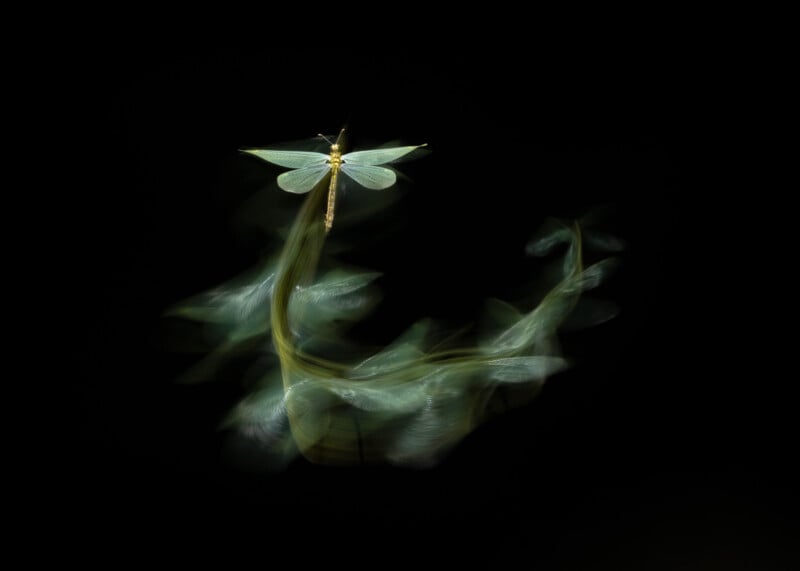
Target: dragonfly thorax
[(335, 158)]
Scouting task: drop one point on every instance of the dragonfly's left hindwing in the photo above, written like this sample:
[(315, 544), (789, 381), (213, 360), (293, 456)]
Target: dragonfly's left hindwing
[(372, 177)]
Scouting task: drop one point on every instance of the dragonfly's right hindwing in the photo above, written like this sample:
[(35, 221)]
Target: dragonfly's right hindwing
[(301, 181)]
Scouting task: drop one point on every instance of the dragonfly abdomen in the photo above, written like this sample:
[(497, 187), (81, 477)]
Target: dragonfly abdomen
[(335, 162)]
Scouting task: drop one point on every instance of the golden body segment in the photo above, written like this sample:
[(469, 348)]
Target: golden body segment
[(335, 162)]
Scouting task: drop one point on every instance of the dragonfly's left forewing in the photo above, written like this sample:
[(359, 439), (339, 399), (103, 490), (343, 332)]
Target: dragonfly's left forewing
[(378, 156), (372, 177)]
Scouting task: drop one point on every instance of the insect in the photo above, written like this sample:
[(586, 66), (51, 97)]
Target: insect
[(311, 168)]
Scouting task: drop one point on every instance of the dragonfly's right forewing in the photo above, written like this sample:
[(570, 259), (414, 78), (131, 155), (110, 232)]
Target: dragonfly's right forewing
[(290, 159)]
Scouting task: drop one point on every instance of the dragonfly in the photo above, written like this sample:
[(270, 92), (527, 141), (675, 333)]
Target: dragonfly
[(310, 168)]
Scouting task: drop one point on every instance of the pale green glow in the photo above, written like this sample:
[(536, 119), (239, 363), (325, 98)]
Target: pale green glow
[(405, 404)]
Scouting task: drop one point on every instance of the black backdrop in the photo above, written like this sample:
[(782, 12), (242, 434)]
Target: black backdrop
[(650, 453)]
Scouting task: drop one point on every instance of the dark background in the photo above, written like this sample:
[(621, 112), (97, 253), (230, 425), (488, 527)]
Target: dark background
[(652, 453)]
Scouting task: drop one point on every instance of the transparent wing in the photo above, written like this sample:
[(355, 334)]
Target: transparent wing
[(302, 180), (377, 156), (290, 159), (374, 178)]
